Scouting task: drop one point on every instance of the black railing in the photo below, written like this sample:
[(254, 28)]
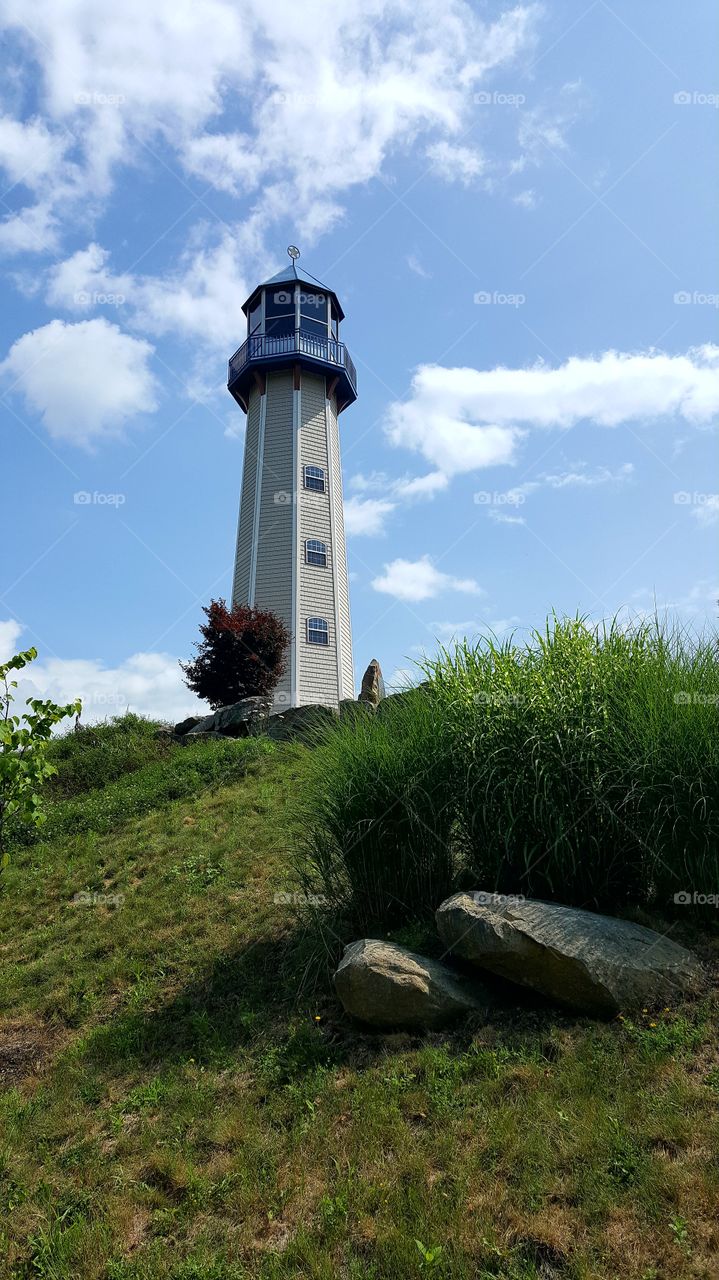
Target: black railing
[(268, 346)]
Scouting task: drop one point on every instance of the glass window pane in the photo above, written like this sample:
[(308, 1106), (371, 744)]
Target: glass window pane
[(317, 631), (280, 326), (315, 479), (314, 304), (280, 301), (317, 328), (254, 319), (316, 552)]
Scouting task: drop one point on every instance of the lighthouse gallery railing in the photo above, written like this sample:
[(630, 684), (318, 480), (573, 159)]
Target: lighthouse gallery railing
[(263, 346)]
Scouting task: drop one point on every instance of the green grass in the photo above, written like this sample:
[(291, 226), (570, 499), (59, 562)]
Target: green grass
[(377, 815), (93, 755), (580, 766), (121, 784), (182, 1099)]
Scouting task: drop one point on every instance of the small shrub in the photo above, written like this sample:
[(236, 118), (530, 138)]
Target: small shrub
[(24, 741), (93, 755), (242, 654)]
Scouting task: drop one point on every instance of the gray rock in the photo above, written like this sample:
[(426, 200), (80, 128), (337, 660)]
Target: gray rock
[(388, 986), (235, 721), (372, 690), (185, 725), (303, 723), (593, 963)]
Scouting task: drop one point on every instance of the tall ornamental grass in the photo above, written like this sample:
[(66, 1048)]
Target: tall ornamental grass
[(377, 814), (581, 765)]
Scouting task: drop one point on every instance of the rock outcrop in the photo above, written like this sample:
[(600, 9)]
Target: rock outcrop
[(372, 690), (387, 986), (594, 963)]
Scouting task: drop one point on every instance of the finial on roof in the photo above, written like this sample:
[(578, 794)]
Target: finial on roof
[(293, 251)]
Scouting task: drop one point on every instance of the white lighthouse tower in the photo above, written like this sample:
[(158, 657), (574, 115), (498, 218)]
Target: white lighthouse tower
[(293, 377)]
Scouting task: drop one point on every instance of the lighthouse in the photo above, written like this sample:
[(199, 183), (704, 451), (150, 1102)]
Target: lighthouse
[(293, 377)]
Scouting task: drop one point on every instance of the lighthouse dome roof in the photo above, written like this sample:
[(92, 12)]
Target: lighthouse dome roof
[(291, 274)]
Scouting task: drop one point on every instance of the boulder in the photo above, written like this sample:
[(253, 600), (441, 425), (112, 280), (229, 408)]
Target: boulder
[(590, 962), (303, 723), (387, 986), (185, 725), (372, 690), (234, 721)]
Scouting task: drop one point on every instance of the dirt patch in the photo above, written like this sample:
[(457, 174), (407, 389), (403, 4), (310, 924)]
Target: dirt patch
[(24, 1048)]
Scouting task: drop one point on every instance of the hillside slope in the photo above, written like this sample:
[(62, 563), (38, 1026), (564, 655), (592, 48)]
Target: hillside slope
[(181, 1098)]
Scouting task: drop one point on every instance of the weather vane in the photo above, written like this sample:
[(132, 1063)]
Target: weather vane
[(293, 251)]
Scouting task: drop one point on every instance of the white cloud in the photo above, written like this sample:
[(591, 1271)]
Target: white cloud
[(29, 152), (366, 515), (195, 300), (544, 127), (325, 94), (413, 580), (461, 419), (455, 163), (415, 265), (85, 380), (579, 477), (707, 512), (149, 684), (10, 632), (473, 627), (526, 199), (503, 517)]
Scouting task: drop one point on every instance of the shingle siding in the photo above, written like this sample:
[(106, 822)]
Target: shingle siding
[(241, 580), (273, 580), (317, 663), (289, 514), (347, 669)]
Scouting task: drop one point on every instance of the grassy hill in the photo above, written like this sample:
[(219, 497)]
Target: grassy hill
[(181, 1097)]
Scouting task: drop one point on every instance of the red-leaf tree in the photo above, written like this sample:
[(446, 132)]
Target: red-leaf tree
[(242, 654)]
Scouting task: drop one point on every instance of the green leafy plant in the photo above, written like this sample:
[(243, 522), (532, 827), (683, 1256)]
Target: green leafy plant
[(24, 739), (430, 1255)]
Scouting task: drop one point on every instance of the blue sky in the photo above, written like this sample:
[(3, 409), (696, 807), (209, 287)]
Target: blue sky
[(516, 207)]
